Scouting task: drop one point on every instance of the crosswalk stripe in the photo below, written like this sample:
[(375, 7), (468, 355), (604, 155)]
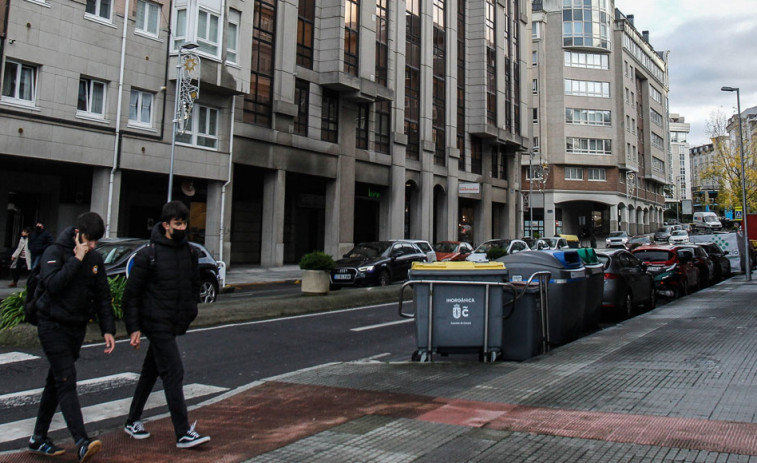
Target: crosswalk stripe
[(12, 357), (24, 428), (87, 386)]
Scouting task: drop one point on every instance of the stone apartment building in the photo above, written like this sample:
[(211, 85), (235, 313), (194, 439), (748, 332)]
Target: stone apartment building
[(599, 119), (680, 164), (318, 124)]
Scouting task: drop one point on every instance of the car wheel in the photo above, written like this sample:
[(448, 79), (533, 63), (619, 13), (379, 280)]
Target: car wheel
[(208, 291), (683, 289), (384, 278)]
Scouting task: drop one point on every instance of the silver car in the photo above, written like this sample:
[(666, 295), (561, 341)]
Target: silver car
[(628, 287)]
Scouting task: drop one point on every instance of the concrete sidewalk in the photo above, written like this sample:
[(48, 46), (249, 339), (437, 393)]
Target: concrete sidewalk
[(676, 384)]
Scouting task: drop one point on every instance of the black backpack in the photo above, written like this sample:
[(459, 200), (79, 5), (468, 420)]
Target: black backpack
[(33, 292)]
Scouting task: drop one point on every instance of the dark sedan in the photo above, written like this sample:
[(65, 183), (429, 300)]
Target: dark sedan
[(117, 252), (628, 286), (719, 258), (705, 264), (376, 263)]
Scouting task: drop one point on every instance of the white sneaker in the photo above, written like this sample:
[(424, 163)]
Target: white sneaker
[(136, 430), (191, 438)]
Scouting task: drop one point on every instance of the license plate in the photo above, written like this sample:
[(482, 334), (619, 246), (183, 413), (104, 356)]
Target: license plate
[(654, 268), (342, 276)]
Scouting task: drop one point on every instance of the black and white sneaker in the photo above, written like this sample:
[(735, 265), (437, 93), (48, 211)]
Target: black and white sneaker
[(136, 430), (87, 449), (45, 447), (191, 438)]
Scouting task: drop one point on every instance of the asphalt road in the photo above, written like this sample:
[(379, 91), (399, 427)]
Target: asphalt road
[(216, 360)]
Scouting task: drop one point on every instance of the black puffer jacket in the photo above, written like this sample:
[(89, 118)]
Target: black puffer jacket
[(74, 291), (163, 287)]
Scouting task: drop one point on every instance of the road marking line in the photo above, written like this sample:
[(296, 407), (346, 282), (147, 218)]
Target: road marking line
[(87, 386), (381, 325), (103, 411), (12, 357)]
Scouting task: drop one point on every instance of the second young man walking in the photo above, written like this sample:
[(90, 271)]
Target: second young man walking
[(160, 301)]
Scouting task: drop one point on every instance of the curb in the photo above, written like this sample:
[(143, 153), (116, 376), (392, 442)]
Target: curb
[(235, 311)]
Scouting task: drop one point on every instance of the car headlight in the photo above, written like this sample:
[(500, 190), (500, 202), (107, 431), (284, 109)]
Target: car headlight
[(367, 268)]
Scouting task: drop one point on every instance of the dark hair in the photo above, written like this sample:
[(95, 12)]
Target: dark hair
[(28, 230), (174, 210), (91, 225)]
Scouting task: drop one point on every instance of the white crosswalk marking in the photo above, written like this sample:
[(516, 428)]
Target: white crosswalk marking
[(12, 357), (23, 428), (88, 386)]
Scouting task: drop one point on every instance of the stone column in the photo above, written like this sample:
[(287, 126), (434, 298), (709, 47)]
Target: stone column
[(272, 246)]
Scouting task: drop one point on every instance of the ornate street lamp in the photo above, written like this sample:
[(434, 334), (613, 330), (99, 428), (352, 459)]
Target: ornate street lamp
[(747, 263), (187, 91)]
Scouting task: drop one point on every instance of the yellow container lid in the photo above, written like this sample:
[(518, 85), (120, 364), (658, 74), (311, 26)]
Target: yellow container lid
[(458, 265)]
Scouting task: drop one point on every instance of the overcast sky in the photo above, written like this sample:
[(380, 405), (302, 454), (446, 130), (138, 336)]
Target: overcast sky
[(712, 44)]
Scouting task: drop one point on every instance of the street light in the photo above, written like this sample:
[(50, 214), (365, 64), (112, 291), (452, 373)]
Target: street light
[(747, 263), (187, 70)]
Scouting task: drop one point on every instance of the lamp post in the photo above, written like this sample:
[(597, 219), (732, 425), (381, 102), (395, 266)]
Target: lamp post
[(630, 177), (187, 69), (747, 263)]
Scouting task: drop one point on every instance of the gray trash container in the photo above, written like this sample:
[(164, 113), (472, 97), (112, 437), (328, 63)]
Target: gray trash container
[(452, 313), (566, 288), (523, 334)]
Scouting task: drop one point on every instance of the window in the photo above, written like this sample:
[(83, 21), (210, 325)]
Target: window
[(655, 94), (588, 117), (460, 126), (351, 35), (491, 62), (657, 141), (655, 117), (412, 78), (305, 28), (98, 9), (382, 41), (382, 126), (302, 100), (202, 128), (587, 88), (91, 97), (586, 60), (476, 150), (658, 166), (232, 35), (330, 116), (20, 82), (258, 104), (535, 115), (148, 15), (600, 146), (534, 86), (586, 24), (439, 88), (535, 30), (140, 108), (361, 131), (534, 57), (597, 174), (208, 31), (574, 173)]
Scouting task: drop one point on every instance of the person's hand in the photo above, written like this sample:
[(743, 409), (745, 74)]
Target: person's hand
[(13, 258), (110, 343), (135, 339), (81, 249)]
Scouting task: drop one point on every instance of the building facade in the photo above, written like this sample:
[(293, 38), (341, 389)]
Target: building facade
[(599, 119), (704, 188), (318, 124), (680, 165)]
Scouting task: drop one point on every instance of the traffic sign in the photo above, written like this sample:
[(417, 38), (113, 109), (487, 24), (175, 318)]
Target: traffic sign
[(738, 214)]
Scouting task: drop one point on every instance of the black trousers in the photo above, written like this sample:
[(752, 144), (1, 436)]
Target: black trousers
[(163, 360), (16, 271), (61, 345)]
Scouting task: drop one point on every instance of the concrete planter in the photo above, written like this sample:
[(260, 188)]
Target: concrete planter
[(315, 282)]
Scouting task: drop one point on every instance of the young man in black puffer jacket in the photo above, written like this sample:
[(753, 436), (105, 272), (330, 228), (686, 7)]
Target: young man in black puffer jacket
[(160, 301), (75, 289)]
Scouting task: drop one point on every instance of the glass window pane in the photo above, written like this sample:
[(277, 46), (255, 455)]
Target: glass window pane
[(152, 18), (83, 97), (146, 108), (105, 9), (202, 25), (133, 102), (141, 7), (98, 98), (26, 87), (213, 35), (91, 7), (213, 114)]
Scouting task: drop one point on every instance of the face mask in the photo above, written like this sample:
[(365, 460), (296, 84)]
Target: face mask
[(39, 227), (178, 235)]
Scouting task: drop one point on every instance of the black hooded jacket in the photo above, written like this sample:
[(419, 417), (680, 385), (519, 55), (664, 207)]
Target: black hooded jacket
[(74, 291), (163, 288)]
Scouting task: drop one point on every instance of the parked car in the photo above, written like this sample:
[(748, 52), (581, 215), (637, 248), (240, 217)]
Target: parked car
[(719, 258), (662, 234), (117, 252), (510, 247), (674, 272), (452, 250), (678, 237), (555, 242), (704, 263), (638, 240), (426, 247), (616, 239), (376, 263), (628, 286)]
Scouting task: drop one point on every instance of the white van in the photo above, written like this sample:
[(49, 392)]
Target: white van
[(707, 221)]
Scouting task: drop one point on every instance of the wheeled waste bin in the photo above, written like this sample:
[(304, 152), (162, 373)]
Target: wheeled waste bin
[(458, 308), (523, 322), (595, 286), (566, 289)]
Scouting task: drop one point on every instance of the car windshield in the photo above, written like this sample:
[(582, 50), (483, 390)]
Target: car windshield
[(424, 247), (640, 239), (711, 219), (653, 255), (662, 230), (113, 252), (551, 241), (445, 247), (369, 250), (678, 233), (617, 234), (492, 244)]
